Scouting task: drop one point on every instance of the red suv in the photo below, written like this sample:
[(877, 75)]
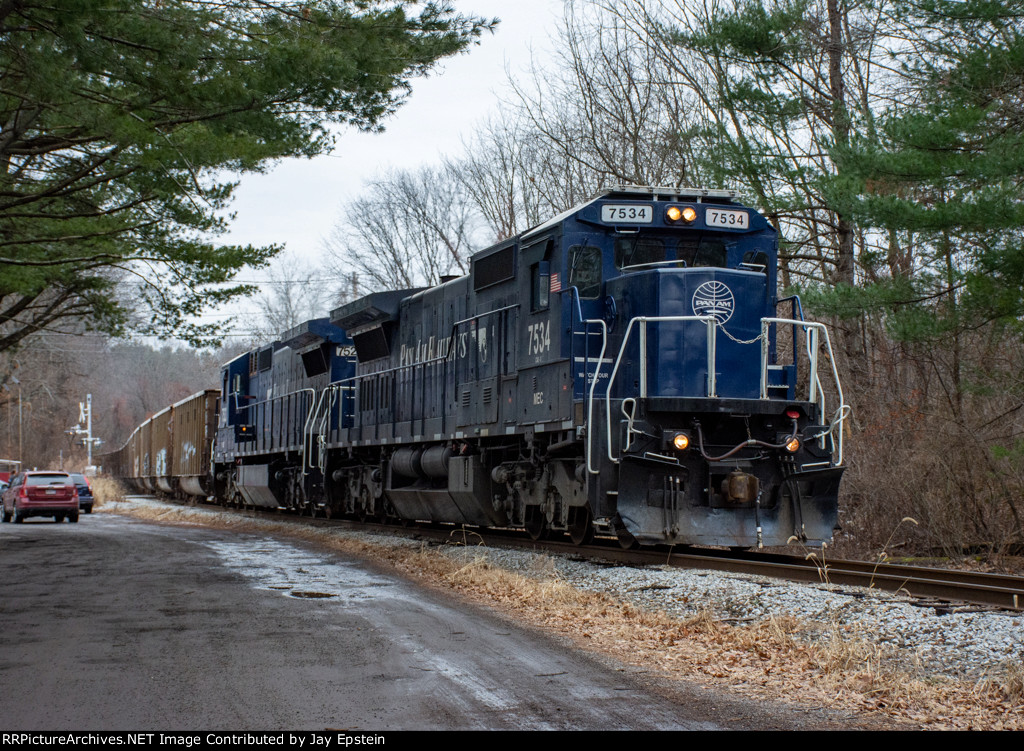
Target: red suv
[(41, 494)]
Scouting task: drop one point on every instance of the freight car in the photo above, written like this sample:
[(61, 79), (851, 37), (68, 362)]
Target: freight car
[(171, 452), (622, 368)]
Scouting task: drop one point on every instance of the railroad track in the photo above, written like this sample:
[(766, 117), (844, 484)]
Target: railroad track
[(932, 587)]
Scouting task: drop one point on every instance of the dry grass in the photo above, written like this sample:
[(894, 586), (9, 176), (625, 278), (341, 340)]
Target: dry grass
[(1007, 687), (780, 659), (106, 490)]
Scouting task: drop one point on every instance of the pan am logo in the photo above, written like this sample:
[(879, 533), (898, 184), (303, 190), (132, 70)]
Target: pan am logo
[(714, 299)]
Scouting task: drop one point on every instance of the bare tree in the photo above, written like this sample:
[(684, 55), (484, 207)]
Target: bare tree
[(45, 380), (600, 115), (409, 229), (498, 171), (603, 108), (293, 292)]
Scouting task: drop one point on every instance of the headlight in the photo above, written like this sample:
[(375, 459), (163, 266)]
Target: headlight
[(685, 214), (681, 441)]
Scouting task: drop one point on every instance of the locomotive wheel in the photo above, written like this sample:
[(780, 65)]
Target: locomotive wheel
[(626, 539), (535, 523), (581, 529)]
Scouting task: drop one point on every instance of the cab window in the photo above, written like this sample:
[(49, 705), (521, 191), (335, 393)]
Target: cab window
[(756, 260), (638, 251), (540, 286), (585, 271), (702, 252)]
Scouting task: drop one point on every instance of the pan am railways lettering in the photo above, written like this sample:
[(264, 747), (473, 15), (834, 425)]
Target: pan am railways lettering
[(440, 349)]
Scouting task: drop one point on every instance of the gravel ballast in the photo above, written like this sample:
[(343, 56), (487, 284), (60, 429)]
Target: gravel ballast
[(963, 643)]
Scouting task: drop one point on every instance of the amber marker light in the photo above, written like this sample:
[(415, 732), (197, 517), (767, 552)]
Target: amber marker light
[(681, 441), (793, 445)]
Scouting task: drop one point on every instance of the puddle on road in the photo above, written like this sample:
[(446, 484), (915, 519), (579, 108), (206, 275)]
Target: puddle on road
[(295, 572), (311, 595)]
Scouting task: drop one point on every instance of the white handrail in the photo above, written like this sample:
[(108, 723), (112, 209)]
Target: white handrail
[(593, 385), (712, 329), (816, 394), (321, 459), (307, 429)]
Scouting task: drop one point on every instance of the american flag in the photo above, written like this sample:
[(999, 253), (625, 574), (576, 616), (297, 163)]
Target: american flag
[(556, 283)]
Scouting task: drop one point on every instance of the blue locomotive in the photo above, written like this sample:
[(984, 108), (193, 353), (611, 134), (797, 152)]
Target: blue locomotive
[(622, 368)]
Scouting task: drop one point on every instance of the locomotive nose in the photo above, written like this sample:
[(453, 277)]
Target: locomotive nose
[(668, 350)]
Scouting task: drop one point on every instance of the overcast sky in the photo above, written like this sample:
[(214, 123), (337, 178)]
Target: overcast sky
[(298, 201)]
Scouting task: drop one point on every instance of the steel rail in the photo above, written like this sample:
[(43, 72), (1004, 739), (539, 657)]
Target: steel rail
[(947, 585)]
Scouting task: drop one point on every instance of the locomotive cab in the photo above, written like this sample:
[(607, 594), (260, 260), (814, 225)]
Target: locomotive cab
[(694, 430)]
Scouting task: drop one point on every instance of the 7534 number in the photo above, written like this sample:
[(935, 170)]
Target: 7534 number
[(539, 337)]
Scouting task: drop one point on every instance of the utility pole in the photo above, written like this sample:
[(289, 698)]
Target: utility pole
[(85, 415), (88, 425)]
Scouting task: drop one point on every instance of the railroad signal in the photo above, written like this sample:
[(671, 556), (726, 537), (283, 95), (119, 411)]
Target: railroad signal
[(85, 415)]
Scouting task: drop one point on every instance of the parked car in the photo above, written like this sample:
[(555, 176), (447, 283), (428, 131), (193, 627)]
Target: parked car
[(41, 494), (84, 492)]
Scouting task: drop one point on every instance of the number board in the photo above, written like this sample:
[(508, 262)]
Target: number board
[(623, 213), (727, 218)]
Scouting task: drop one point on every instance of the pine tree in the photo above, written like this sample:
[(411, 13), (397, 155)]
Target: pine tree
[(123, 122), (943, 178)]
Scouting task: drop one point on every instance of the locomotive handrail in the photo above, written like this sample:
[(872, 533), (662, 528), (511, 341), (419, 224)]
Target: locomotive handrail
[(797, 312), (577, 309), (679, 262), (576, 314), (338, 387), (275, 398), (329, 393), (309, 417), (574, 294), (797, 305), (712, 328), (307, 430), (279, 397), (816, 394), (449, 354), (593, 386), (486, 313)]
